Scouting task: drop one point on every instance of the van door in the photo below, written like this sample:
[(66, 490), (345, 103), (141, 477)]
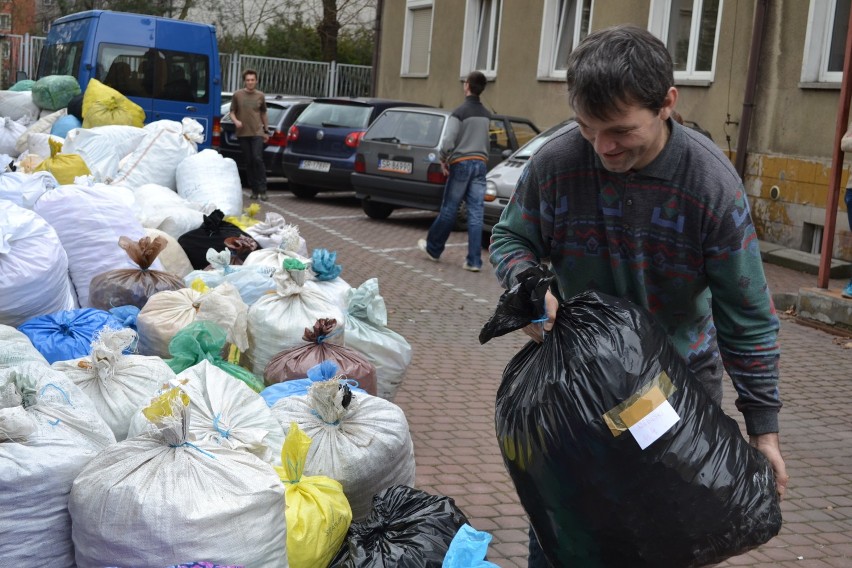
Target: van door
[(186, 75)]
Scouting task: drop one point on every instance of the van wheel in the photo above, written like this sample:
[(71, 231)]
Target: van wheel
[(375, 209), (302, 192)]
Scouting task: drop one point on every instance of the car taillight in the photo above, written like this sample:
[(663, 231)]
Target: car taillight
[(293, 133), (216, 133), (360, 164), (278, 138), (353, 139), (434, 174)]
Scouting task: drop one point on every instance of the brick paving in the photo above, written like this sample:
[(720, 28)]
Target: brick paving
[(449, 391)]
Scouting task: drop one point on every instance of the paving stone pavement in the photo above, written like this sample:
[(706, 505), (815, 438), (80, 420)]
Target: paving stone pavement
[(449, 391)]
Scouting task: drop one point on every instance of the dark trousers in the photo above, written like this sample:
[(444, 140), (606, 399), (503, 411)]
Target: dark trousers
[(536, 558), (252, 148)]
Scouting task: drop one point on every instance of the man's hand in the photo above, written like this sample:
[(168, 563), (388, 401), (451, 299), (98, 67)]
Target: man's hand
[(236, 121), (770, 446), (445, 169), (537, 330)]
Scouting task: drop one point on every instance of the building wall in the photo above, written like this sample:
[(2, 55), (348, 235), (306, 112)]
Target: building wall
[(793, 125)]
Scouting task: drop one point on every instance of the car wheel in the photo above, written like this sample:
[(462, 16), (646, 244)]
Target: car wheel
[(302, 192), (375, 209), (461, 219)]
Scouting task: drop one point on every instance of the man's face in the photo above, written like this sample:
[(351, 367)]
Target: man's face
[(631, 138), (250, 82)]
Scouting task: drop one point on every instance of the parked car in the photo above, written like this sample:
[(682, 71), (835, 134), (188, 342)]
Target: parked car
[(320, 153), (282, 111), (398, 160), (500, 182)]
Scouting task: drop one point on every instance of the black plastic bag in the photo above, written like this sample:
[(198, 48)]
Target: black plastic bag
[(212, 234), (695, 496), (407, 528)]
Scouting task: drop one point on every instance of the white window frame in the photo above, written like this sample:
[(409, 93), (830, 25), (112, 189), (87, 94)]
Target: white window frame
[(658, 24), (5, 18), (817, 43), (470, 43), (547, 52), (411, 7)]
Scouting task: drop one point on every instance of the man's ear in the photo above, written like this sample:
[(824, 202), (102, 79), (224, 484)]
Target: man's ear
[(668, 103)]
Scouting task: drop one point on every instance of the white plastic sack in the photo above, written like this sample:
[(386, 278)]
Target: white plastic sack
[(117, 384), (103, 147), (165, 144), (211, 179), (19, 105), (173, 257), (41, 126), (89, 222), (25, 189), (38, 143), (164, 498), (16, 349), (10, 131), (49, 431), (274, 232), (277, 321), (33, 267), (367, 332), (166, 313), (366, 446), (225, 413), (275, 257), (159, 207), (252, 282)]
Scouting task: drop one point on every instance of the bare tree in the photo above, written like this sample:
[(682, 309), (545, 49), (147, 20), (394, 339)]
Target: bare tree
[(246, 20)]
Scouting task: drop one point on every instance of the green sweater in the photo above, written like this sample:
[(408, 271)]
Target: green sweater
[(675, 237)]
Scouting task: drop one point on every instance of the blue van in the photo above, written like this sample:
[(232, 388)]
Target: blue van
[(168, 67)]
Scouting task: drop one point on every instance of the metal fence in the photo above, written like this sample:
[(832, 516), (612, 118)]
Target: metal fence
[(275, 74)]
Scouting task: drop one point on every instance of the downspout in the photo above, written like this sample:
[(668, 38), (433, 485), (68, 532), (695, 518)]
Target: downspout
[(377, 40), (758, 33), (836, 166)]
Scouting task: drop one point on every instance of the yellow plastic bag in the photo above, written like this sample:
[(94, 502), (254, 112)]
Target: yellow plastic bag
[(64, 167), (103, 106), (318, 513), (247, 219)]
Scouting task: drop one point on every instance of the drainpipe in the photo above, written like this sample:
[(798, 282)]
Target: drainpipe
[(758, 32), (377, 40), (836, 166)]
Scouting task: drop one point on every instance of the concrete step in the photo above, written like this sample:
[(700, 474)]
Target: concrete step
[(802, 261), (825, 306)]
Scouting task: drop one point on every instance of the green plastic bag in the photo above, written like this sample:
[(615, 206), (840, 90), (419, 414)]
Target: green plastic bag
[(23, 85), (55, 91), (204, 340)]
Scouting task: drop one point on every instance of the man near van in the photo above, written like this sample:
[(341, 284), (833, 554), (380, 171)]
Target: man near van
[(248, 112), (464, 156)]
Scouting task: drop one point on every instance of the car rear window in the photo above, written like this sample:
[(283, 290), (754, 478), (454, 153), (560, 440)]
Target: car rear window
[(273, 113), (401, 127), (331, 115)]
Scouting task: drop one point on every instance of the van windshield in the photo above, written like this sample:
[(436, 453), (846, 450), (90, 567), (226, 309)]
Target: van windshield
[(61, 59)]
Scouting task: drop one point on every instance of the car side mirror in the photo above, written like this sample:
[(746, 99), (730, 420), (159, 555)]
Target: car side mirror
[(506, 153)]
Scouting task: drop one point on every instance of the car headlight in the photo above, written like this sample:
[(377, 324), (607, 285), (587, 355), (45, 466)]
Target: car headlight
[(490, 190)]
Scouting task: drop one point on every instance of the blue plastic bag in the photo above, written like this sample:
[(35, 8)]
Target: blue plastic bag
[(322, 372), (64, 124), (66, 335), (468, 549)]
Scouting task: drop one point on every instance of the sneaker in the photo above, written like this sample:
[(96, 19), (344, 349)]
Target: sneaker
[(847, 292), (421, 244), (263, 197), (470, 268)]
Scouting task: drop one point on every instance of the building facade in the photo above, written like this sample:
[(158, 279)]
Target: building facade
[(428, 46)]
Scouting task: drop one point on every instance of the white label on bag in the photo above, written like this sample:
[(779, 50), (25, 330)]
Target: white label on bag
[(656, 423)]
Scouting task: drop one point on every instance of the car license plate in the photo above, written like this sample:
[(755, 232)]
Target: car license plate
[(396, 166), (314, 166)]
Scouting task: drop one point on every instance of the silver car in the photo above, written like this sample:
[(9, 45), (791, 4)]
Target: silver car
[(500, 182)]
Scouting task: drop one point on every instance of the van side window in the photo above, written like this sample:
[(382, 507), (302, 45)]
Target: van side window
[(185, 77), (122, 67)]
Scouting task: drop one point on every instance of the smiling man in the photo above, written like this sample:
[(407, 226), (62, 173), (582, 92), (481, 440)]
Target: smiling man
[(630, 203)]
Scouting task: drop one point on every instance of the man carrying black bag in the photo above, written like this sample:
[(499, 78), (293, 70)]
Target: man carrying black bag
[(630, 203)]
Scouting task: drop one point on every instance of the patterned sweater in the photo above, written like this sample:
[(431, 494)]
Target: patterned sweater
[(675, 237)]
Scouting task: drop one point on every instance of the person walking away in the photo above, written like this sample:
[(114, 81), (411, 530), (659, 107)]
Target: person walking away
[(628, 202), (248, 112), (464, 159)]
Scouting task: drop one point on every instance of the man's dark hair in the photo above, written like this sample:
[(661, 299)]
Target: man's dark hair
[(619, 65), (476, 82), (248, 72)]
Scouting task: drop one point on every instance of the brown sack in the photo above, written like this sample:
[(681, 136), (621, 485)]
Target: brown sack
[(294, 363), (133, 286)]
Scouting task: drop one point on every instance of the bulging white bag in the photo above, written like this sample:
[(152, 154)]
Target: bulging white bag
[(165, 498), (38, 143), (253, 282), (274, 232), (19, 105), (360, 440), (33, 267), (117, 384), (158, 207), (225, 413), (155, 160), (10, 131), (16, 349), (211, 179), (41, 126), (173, 257), (25, 189), (103, 147), (49, 431)]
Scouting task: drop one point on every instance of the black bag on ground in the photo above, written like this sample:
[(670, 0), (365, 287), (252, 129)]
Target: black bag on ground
[(407, 528), (211, 234), (697, 494)]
